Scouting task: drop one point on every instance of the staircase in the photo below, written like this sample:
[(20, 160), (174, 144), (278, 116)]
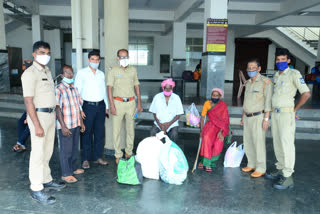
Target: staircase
[(307, 37)]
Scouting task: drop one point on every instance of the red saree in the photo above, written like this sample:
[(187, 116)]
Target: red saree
[(211, 146)]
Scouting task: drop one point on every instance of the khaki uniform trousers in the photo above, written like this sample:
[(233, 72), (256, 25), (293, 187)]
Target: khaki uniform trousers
[(254, 140), (41, 151), (125, 110), (283, 131)]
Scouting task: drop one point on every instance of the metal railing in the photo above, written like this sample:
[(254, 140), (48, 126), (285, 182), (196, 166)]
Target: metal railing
[(310, 35)]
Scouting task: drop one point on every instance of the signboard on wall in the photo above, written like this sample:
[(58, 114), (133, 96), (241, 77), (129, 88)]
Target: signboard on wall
[(216, 38)]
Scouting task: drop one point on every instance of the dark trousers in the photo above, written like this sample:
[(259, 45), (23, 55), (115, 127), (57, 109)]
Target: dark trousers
[(94, 123), (23, 129), (69, 147), (172, 134)]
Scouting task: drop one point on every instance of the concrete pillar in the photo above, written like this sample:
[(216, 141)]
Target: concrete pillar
[(178, 64), (271, 56), (213, 62), (116, 36), (37, 29), (54, 38), (2, 28), (318, 53), (4, 65), (85, 31), (116, 29)]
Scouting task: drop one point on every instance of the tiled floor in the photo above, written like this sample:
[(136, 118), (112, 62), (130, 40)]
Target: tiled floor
[(225, 190)]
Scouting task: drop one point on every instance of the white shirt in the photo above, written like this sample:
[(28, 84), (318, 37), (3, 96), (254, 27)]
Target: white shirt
[(165, 113), (92, 87)]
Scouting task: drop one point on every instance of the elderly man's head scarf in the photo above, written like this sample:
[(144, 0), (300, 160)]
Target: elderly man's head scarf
[(218, 90), (167, 82)]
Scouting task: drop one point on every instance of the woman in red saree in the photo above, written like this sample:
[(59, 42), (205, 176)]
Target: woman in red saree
[(214, 131)]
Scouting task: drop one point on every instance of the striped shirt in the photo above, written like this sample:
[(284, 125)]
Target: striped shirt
[(70, 102)]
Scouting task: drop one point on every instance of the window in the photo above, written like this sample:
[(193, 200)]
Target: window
[(141, 50), (193, 52)]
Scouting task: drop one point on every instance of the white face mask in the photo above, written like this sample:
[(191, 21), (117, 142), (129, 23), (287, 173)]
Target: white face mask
[(94, 65), (124, 62), (43, 59)]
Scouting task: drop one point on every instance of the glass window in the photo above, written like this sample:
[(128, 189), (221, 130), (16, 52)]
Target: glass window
[(193, 52), (141, 50)]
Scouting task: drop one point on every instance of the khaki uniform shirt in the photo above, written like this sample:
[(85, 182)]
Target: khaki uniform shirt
[(286, 86), (258, 95), (37, 82), (123, 81)]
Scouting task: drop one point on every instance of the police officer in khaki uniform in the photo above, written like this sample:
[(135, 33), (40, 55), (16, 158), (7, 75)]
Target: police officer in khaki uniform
[(255, 118), (122, 83), (39, 98), (286, 83)]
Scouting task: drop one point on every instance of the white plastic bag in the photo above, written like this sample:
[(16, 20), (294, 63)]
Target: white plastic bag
[(192, 116), (173, 164), (234, 155), (148, 153)]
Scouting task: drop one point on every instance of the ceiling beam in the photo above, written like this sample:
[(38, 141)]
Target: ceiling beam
[(146, 27), (55, 11), (151, 15), (251, 6), (185, 9), (295, 21), (287, 7)]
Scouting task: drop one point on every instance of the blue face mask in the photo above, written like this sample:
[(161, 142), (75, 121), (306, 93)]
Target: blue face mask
[(252, 73), (282, 65), (68, 81), (215, 100)]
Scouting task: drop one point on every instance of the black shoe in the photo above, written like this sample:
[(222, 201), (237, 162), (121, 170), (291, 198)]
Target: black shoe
[(42, 197), (55, 186), (284, 183), (273, 175)]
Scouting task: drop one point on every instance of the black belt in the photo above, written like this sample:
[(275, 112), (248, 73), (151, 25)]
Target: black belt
[(48, 110), (254, 114), (93, 103)]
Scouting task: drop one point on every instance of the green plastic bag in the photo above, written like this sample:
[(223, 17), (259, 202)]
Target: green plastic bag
[(129, 171)]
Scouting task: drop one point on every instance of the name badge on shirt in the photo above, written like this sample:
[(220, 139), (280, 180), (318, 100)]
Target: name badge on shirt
[(255, 91), (119, 75), (302, 81), (44, 79)]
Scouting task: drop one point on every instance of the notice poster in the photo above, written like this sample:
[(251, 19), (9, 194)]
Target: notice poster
[(217, 30)]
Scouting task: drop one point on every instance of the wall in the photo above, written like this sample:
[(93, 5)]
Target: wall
[(21, 37), (162, 45)]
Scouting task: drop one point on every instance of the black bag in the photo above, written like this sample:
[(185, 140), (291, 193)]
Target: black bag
[(187, 75)]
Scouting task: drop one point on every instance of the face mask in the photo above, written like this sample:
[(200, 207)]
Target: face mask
[(252, 73), (43, 59), (124, 62), (167, 93), (215, 100), (68, 81), (282, 65), (94, 65)]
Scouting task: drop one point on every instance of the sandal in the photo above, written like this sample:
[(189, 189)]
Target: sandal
[(69, 179), (200, 166), (208, 169), (78, 171), (18, 148)]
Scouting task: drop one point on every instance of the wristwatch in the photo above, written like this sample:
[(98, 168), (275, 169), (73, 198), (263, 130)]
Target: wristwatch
[(266, 119)]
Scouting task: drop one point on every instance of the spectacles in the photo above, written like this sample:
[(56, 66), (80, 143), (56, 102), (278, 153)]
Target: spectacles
[(123, 57)]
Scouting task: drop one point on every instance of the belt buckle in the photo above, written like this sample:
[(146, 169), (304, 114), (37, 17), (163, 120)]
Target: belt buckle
[(277, 110), (125, 99)]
